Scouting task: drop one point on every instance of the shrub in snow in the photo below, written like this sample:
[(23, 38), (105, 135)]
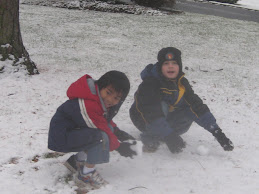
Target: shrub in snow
[(114, 6), (226, 1)]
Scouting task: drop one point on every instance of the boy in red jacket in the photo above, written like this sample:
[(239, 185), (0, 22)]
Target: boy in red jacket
[(84, 124)]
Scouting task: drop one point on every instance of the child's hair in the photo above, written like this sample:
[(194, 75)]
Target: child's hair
[(118, 80)]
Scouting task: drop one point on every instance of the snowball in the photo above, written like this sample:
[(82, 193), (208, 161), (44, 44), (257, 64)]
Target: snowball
[(137, 147), (202, 150)]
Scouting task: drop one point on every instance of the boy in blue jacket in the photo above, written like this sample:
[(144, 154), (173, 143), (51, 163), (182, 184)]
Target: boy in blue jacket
[(84, 124), (165, 106)]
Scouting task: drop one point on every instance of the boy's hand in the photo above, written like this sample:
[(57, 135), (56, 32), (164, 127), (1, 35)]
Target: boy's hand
[(122, 135), (223, 140), (125, 150)]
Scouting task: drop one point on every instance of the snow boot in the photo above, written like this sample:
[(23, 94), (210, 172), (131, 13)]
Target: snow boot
[(175, 143), (89, 181), (73, 164)]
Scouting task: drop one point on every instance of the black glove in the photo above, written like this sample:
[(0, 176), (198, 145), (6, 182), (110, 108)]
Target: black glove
[(122, 135), (125, 150), (174, 142), (223, 140)]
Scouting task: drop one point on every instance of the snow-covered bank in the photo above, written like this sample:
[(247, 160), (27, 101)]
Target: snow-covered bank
[(65, 44), (252, 4)]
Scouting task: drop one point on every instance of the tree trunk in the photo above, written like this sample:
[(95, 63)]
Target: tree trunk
[(11, 44)]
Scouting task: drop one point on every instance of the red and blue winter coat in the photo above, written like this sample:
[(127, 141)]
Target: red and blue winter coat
[(77, 123)]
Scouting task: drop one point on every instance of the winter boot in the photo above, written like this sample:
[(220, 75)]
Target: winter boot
[(73, 164), (174, 143), (150, 146), (89, 181)]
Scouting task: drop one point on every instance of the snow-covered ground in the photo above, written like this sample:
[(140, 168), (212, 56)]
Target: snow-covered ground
[(66, 44), (249, 4), (253, 4)]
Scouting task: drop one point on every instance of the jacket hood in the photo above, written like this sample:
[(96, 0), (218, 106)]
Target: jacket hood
[(85, 88), (150, 71), (80, 89)]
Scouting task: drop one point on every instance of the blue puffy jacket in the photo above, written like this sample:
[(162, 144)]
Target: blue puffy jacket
[(155, 88)]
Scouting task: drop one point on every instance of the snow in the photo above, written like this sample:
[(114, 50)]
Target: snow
[(253, 4), (137, 147), (202, 150), (66, 44)]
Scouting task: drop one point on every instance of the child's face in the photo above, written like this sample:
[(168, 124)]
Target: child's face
[(109, 96), (170, 69)]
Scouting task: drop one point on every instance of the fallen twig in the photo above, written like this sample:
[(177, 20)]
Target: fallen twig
[(201, 165), (203, 70), (138, 187)]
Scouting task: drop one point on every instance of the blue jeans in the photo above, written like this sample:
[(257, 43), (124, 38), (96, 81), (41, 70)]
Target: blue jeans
[(99, 153)]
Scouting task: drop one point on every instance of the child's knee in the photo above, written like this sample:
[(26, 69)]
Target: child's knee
[(106, 141), (184, 128)]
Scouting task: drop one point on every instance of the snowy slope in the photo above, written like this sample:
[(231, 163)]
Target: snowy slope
[(66, 44)]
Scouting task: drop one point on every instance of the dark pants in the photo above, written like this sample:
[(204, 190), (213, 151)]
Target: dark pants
[(180, 121)]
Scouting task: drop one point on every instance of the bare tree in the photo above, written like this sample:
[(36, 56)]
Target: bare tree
[(11, 44)]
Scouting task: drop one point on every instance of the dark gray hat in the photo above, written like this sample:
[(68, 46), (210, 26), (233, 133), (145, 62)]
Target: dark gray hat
[(169, 54)]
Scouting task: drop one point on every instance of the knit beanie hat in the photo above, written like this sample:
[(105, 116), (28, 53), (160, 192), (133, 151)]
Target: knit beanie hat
[(169, 54)]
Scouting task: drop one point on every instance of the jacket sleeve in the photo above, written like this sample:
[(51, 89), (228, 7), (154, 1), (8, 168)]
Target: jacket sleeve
[(193, 100), (94, 118), (148, 101), (201, 112), (113, 124)]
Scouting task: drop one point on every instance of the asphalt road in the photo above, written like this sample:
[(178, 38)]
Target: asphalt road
[(217, 10)]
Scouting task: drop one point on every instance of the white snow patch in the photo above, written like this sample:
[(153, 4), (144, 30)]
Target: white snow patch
[(253, 4), (137, 148)]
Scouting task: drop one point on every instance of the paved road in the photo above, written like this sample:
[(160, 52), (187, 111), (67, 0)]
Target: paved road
[(217, 10)]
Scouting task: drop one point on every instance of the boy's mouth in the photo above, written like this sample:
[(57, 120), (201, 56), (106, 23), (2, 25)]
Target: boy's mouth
[(106, 105)]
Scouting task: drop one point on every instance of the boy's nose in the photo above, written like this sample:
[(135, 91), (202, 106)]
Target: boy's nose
[(110, 101)]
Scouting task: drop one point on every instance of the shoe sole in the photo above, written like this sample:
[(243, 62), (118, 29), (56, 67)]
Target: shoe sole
[(149, 150), (82, 186), (87, 186), (81, 191)]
